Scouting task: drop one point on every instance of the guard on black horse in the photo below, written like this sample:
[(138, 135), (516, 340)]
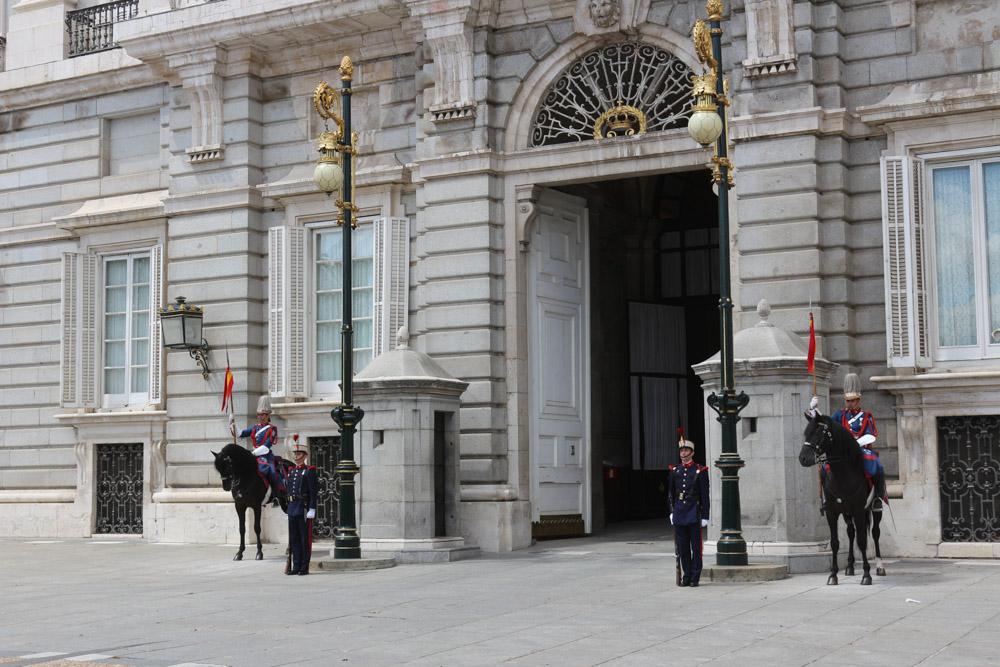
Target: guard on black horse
[(845, 484), (861, 424), (240, 475), (264, 435)]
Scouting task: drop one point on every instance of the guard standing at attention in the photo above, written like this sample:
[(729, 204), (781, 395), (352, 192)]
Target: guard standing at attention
[(302, 496), (687, 494)]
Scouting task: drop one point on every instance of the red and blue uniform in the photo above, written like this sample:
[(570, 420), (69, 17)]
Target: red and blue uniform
[(266, 435), (302, 496), (687, 494), (861, 422)]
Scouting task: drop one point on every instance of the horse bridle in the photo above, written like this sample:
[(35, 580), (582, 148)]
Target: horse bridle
[(234, 479), (821, 456)]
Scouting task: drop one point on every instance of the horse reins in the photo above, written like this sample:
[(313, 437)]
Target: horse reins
[(821, 458)]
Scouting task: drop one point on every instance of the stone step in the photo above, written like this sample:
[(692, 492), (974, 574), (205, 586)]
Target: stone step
[(352, 564), (745, 573), (449, 555)]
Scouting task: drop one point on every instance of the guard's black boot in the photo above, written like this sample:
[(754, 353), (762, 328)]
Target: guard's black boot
[(879, 482), (685, 582)]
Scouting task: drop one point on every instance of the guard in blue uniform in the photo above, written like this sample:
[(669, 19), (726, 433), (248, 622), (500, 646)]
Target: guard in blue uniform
[(302, 496), (264, 435), (687, 494), (861, 424)]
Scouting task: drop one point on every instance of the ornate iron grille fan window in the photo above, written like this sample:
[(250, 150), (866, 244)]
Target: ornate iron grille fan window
[(617, 90)]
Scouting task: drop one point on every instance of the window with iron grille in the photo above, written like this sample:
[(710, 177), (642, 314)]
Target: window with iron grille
[(620, 89)]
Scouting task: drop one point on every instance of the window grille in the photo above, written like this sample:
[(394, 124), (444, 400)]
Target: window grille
[(620, 89), (93, 29)]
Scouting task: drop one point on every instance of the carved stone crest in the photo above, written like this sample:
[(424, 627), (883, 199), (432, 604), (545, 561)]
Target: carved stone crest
[(594, 17), (604, 12)]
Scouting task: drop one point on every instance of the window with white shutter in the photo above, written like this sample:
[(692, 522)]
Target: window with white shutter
[(111, 353), (287, 334), (392, 285), (941, 233), (306, 265)]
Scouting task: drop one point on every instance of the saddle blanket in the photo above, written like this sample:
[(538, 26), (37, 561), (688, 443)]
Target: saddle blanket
[(271, 471), (873, 466)]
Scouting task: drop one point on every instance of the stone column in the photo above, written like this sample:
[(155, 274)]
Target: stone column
[(779, 498)]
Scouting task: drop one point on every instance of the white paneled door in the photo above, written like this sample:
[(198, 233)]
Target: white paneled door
[(559, 355)]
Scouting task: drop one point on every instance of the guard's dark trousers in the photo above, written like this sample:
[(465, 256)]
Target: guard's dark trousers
[(300, 539), (689, 542)]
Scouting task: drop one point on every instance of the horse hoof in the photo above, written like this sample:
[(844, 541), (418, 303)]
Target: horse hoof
[(849, 571), (880, 571), (832, 581), (259, 556), (866, 580), (238, 556)]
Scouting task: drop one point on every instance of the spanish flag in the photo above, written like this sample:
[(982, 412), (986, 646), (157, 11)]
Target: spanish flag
[(227, 387)]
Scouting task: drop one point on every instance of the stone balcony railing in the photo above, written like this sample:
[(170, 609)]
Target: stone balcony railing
[(3, 47), (93, 29)]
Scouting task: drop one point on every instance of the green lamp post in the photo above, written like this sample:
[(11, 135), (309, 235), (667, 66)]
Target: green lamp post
[(335, 170), (707, 125)]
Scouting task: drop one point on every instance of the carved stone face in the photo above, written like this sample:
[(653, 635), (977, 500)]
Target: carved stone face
[(604, 12)]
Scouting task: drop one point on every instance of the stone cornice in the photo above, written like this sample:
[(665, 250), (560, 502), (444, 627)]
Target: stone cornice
[(26, 234), (114, 210), (923, 383), (285, 191), (786, 367), (409, 385), (114, 417), (57, 82), (939, 97), (213, 200), (154, 37), (643, 153), (814, 120)]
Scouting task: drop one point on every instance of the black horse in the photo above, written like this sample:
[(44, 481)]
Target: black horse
[(238, 469), (847, 492)]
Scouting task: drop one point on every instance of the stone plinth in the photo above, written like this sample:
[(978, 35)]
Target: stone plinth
[(779, 499), (409, 454)]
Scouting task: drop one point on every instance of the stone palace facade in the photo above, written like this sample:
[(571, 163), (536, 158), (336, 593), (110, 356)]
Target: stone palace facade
[(536, 241)]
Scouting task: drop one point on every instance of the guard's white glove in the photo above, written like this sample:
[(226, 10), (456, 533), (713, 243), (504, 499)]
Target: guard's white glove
[(260, 451), (311, 514), (671, 518), (813, 410), (704, 523)]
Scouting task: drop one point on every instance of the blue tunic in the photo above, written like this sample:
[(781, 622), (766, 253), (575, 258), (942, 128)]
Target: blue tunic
[(266, 435), (861, 422), (689, 504), (688, 493)]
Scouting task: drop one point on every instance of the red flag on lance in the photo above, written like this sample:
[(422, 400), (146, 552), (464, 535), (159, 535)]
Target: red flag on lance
[(227, 387), (812, 342)]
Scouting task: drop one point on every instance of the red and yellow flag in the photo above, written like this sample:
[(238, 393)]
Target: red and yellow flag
[(227, 387)]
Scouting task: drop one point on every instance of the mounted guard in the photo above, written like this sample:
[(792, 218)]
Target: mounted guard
[(264, 435), (861, 424)]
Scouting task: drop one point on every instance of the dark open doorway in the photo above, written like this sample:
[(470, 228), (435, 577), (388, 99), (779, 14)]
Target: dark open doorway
[(654, 290)]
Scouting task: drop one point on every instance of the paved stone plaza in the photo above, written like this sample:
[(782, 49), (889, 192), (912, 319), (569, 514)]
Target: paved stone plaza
[(608, 599)]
